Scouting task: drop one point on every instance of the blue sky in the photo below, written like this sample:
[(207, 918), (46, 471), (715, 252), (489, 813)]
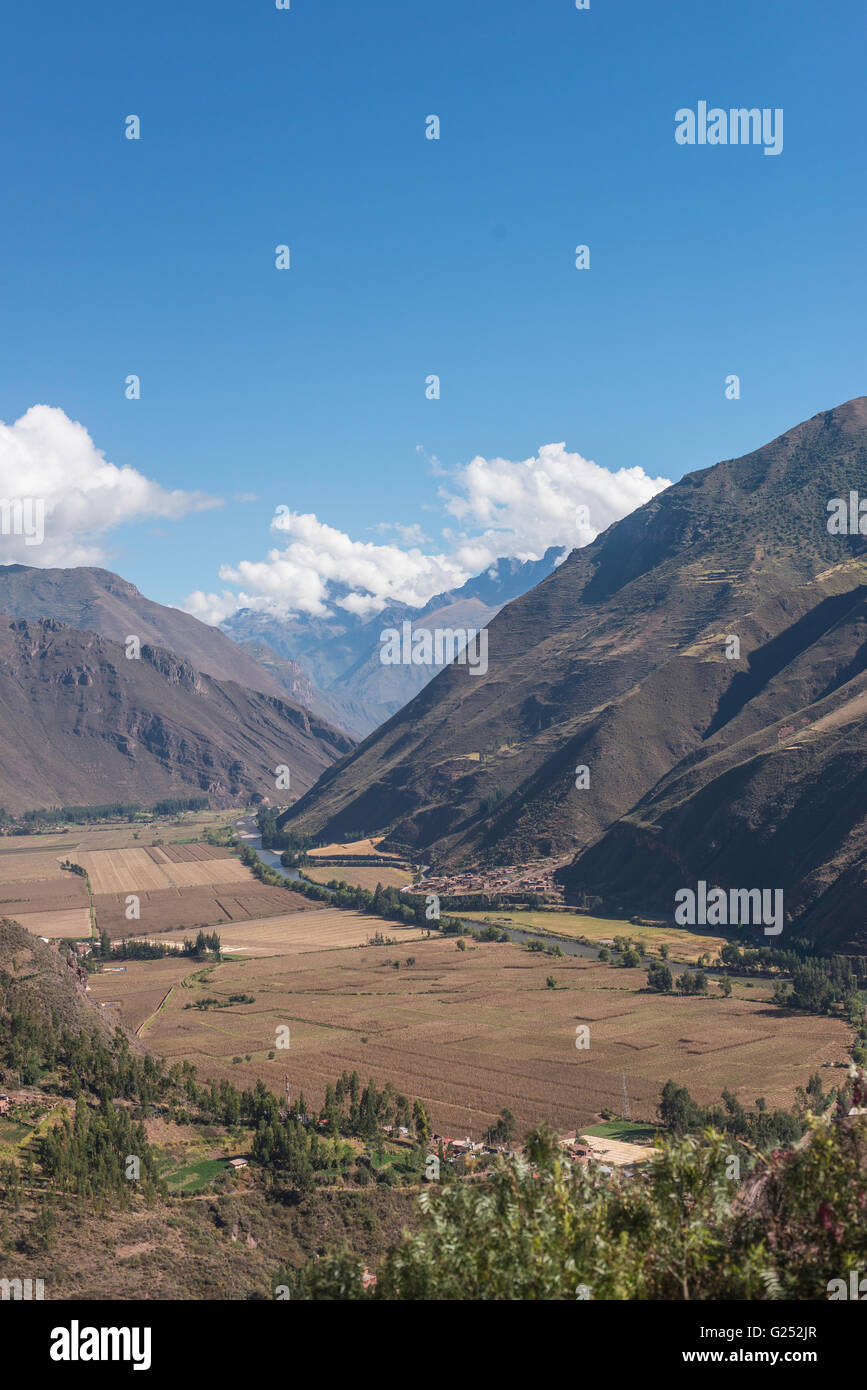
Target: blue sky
[(411, 257)]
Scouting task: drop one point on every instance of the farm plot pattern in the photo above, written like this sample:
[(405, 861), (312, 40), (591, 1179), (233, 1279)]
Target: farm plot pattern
[(49, 902), (139, 870), (187, 909), (472, 1032)]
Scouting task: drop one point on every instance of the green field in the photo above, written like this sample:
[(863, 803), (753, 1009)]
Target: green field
[(195, 1177), (624, 1131), (683, 943), (12, 1133)]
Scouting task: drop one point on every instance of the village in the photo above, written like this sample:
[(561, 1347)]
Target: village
[(532, 882)]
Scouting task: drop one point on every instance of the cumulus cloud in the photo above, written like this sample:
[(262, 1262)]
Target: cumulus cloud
[(500, 509), (51, 467), (555, 498)]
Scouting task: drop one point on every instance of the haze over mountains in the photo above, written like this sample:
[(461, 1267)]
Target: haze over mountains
[(340, 653), (741, 771)]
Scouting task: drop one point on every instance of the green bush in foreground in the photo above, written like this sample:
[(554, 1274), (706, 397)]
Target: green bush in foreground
[(682, 1228)]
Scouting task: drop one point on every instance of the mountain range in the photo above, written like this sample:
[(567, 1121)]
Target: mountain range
[(742, 763), (683, 699), (339, 655)]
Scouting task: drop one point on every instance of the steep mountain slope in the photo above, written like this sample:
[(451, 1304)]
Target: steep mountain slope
[(45, 983), (781, 803), (82, 724), (617, 662), (95, 600), (341, 653)]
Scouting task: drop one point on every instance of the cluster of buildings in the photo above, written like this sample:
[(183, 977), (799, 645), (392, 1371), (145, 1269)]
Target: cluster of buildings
[(466, 1148), (504, 880)]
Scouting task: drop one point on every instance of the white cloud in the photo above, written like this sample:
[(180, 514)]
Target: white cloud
[(409, 535), (555, 498), (501, 508), (48, 457)]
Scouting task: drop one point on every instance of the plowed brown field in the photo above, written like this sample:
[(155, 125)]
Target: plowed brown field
[(472, 1032)]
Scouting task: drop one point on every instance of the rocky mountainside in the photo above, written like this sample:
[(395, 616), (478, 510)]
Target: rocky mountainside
[(621, 662), (95, 600), (47, 983), (80, 723)]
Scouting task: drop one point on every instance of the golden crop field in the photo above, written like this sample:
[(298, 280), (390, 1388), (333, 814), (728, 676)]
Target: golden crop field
[(63, 922), (363, 876), (19, 866), (354, 847), (294, 933), (135, 870), (473, 1031)]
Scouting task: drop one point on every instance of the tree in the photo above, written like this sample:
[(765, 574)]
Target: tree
[(659, 977), (677, 1109), (503, 1130), (421, 1123), (543, 1229)]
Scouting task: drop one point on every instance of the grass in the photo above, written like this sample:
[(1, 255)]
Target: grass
[(624, 1131), (195, 1177), (12, 1133)]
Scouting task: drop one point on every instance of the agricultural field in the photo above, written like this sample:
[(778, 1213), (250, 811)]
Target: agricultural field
[(187, 909), (22, 866), (363, 847), (42, 897), (70, 923), (684, 943), (180, 888), (474, 1031), (313, 929), (133, 990), (136, 989), (364, 876), (147, 870), (120, 834), (183, 885), (24, 896)]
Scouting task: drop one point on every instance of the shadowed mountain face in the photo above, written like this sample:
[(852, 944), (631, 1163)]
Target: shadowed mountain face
[(618, 662), (82, 724)]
